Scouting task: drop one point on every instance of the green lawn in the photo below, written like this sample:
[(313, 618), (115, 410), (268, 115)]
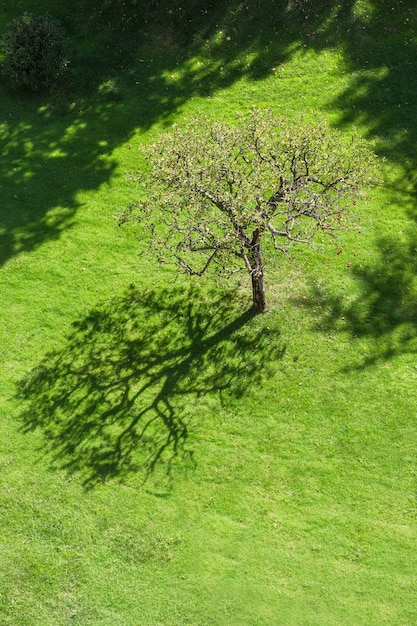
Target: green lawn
[(168, 458)]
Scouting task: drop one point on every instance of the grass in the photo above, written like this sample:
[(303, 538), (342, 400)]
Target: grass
[(167, 458)]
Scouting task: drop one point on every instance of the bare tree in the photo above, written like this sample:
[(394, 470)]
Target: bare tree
[(213, 193)]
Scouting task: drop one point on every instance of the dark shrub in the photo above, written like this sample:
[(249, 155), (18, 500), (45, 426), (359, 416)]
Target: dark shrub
[(35, 55)]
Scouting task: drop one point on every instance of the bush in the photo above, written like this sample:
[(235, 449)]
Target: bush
[(34, 52)]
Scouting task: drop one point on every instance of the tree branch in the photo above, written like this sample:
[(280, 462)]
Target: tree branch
[(192, 272)]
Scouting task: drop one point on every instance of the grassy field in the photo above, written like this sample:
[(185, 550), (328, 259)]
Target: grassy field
[(168, 458)]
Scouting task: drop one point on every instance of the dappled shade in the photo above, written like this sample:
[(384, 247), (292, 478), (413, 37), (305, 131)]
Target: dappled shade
[(383, 306), (44, 166), (136, 64), (121, 394)]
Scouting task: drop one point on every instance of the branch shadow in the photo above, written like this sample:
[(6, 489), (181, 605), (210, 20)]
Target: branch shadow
[(383, 310), (380, 50), (120, 395)]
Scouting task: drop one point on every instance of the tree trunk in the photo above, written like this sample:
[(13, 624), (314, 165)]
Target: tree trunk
[(258, 293), (257, 275)]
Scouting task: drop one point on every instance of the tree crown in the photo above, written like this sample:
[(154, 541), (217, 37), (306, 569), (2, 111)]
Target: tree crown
[(214, 191)]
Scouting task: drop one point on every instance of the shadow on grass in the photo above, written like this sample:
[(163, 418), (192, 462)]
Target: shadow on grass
[(132, 67), (379, 46), (381, 52), (120, 395), (46, 164), (136, 64), (383, 309)]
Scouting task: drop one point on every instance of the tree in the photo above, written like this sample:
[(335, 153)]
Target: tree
[(213, 193), (35, 56)]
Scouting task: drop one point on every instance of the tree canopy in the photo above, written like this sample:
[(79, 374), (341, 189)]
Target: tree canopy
[(214, 192)]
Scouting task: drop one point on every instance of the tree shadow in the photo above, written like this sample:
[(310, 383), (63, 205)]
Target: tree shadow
[(382, 307), (120, 395), (380, 50), (136, 64), (133, 65), (131, 68)]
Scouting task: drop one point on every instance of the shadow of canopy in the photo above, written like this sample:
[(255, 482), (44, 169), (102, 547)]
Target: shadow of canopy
[(380, 51), (120, 395), (380, 48), (136, 64), (382, 310), (54, 147), (45, 165)]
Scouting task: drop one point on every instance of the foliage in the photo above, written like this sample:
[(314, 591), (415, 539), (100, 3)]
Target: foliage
[(216, 191), (35, 54)]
